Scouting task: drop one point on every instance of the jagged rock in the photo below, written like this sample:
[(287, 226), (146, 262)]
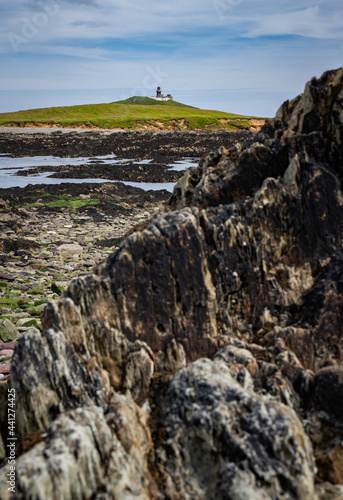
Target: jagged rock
[(265, 369), (328, 391), (321, 316), (80, 367), (244, 266), (220, 441), (85, 454)]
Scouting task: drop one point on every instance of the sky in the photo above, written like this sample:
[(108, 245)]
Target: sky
[(240, 56)]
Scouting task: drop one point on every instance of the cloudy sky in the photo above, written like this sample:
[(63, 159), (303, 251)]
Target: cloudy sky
[(242, 56)]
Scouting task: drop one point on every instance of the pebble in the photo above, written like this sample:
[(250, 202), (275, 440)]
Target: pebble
[(45, 254), (7, 345), (7, 277), (6, 352)]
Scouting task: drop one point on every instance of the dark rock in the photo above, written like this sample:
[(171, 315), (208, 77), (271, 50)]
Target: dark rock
[(7, 277), (17, 244), (125, 144), (328, 391)]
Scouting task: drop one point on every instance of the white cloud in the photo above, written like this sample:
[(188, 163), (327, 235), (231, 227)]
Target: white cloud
[(52, 21), (308, 23), (184, 44)]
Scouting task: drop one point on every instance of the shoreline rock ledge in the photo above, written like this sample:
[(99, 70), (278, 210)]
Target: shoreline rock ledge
[(204, 358)]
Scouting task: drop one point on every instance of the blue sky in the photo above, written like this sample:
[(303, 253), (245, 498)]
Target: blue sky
[(242, 56)]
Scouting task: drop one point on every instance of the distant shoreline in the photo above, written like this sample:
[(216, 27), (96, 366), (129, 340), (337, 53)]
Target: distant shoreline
[(255, 125), (42, 129)]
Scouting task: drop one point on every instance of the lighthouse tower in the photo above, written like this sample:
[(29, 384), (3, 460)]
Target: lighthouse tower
[(161, 97)]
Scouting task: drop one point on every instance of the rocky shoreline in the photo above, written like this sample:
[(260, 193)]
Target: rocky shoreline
[(160, 146), (42, 247), (204, 358), (51, 234)]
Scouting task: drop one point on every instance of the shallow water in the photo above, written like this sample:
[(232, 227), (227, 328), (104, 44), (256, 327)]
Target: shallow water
[(9, 167)]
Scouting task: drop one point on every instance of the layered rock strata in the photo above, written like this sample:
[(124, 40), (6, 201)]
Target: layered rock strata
[(204, 359)]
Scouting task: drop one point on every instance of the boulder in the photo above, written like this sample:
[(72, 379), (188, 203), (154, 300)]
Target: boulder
[(221, 441), (8, 331), (69, 250)]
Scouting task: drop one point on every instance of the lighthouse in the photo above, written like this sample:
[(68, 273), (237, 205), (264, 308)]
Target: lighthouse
[(161, 97)]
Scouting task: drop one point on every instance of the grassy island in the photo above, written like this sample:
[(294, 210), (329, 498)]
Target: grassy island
[(140, 113)]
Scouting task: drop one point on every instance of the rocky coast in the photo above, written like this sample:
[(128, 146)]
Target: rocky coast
[(203, 358), (41, 250), (53, 233)]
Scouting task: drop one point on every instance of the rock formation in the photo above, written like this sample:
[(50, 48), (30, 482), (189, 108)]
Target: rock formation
[(204, 359)]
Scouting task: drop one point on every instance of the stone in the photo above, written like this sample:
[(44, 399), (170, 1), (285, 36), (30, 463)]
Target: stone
[(7, 345), (8, 331), (70, 250), (221, 441), (27, 322), (34, 310), (20, 315), (22, 287), (7, 277), (6, 352), (45, 254)]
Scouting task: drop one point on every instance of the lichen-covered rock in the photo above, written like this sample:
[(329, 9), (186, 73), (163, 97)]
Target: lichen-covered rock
[(8, 330), (64, 372), (221, 441), (83, 454)]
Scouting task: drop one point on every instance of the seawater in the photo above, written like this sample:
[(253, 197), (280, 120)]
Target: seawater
[(9, 168)]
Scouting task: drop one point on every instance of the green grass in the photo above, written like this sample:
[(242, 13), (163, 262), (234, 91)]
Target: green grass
[(70, 202), (132, 113), (66, 201)]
